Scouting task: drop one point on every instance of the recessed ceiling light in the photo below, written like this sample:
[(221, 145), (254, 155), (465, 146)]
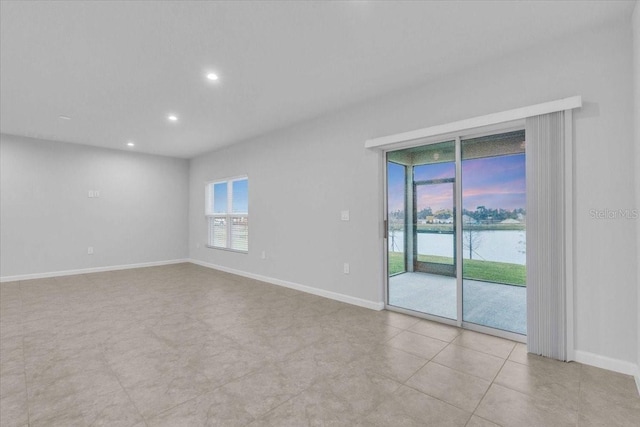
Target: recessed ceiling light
[(64, 117), (130, 144), (172, 118), (212, 76)]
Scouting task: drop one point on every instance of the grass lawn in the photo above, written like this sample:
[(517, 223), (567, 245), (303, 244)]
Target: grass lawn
[(488, 271)]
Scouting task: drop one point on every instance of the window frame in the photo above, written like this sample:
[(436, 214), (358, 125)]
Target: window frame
[(228, 215)]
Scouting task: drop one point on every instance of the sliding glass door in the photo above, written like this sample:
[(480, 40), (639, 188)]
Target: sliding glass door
[(421, 189), (493, 229), (456, 231)]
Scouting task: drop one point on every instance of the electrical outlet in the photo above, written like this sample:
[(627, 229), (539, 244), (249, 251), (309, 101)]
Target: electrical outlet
[(91, 194), (96, 193), (346, 268), (263, 255), (344, 215), (90, 250)]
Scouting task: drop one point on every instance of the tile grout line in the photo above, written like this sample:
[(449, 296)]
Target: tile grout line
[(201, 394), (579, 396), (24, 359), (279, 405), (239, 378), (427, 394), (465, 348), (431, 359), (104, 356), (509, 387), (215, 387), (493, 380), (144, 420), (438, 399), (490, 383)]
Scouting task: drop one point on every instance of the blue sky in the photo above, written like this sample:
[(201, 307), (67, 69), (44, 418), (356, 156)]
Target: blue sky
[(240, 196), (492, 182), (395, 189)]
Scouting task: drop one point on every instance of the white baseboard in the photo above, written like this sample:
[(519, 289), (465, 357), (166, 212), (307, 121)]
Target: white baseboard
[(608, 363), (89, 270), (308, 289)]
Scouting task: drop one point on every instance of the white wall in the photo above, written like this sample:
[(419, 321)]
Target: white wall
[(47, 220), (300, 178), (299, 181), (636, 73)]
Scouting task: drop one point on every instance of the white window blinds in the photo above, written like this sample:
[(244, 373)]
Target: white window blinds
[(546, 236), (227, 213)]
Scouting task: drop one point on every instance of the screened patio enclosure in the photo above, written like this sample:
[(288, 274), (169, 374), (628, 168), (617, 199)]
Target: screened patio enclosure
[(456, 212)]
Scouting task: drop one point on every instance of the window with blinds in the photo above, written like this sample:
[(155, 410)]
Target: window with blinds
[(227, 213)]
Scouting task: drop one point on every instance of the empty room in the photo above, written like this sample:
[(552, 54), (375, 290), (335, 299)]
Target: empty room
[(319, 213)]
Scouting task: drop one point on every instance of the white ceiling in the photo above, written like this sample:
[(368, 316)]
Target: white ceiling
[(118, 68)]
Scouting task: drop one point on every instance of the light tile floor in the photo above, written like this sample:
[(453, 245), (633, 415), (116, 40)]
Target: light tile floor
[(183, 345)]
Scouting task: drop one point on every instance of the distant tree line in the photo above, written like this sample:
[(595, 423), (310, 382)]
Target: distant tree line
[(480, 214), (483, 214), (397, 215)]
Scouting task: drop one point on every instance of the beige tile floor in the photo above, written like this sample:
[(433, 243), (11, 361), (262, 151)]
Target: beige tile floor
[(183, 345)]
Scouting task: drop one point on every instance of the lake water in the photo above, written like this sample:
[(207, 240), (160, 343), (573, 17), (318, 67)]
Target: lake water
[(489, 245)]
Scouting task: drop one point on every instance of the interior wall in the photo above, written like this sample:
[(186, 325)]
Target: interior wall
[(48, 221), (302, 177), (299, 182), (636, 73)]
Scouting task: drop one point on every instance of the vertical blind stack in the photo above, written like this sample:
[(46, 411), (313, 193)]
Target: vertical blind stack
[(546, 260)]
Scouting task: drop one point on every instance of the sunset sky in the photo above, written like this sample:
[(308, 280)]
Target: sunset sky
[(492, 182)]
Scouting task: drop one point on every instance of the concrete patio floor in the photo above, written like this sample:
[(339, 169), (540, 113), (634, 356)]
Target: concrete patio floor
[(488, 304)]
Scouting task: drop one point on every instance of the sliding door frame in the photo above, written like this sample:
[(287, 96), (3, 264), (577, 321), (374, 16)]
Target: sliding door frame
[(459, 234), (433, 267), (457, 137)]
